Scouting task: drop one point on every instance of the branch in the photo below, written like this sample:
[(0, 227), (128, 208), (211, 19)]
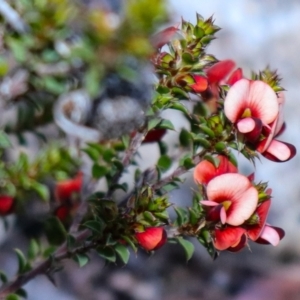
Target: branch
[(135, 143), (45, 266)]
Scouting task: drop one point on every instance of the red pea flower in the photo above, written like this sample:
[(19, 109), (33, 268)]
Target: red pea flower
[(152, 238), (271, 148), (251, 104), (6, 205), (205, 170), (234, 196)]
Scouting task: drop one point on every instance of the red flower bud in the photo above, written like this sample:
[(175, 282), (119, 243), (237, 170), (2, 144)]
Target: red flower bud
[(154, 135), (152, 238), (6, 205), (65, 188)]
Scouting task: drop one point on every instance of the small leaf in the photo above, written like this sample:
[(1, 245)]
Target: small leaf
[(55, 231), (99, 171), (130, 242), (184, 138), (21, 292), (125, 140), (107, 253), (81, 259), (166, 124), (41, 190), (187, 246), (22, 262), (3, 277), (164, 163), (181, 215), (179, 106), (207, 131), (123, 253), (4, 140), (12, 297), (96, 226), (71, 241), (33, 249), (153, 123)]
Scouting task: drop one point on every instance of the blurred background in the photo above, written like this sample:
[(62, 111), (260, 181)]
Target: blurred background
[(255, 34)]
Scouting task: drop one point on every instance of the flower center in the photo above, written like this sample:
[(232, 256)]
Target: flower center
[(246, 113), (226, 204)]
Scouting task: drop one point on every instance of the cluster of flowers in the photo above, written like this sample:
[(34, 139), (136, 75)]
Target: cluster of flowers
[(236, 209), (252, 106)]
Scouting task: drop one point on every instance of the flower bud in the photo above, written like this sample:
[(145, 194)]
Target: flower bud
[(6, 205), (65, 188), (152, 238)]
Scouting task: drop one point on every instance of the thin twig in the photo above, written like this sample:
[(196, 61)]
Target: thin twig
[(45, 266), (135, 143)]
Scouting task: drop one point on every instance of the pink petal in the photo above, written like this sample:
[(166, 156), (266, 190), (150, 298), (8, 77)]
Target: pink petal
[(220, 70), (271, 235), (223, 216), (279, 151), (246, 125), (237, 189), (209, 203), (227, 237), (263, 100), (258, 96)]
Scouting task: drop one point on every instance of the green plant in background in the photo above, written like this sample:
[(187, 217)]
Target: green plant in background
[(86, 86)]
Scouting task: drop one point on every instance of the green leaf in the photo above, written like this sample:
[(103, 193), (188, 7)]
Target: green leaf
[(18, 49), (184, 138), (125, 141), (21, 292), (123, 253), (180, 93), (81, 259), (207, 131), (22, 261), (107, 253), (49, 251), (130, 242), (41, 190), (55, 231), (4, 140), (166, 124), (33, 249), (187, 246), (179, 106), (164, 163), (12, 297), (181, 215), (170, 187), (163, 147), (71, 241), (3, 277), (99, 171), (153, 123), (96, 226)]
